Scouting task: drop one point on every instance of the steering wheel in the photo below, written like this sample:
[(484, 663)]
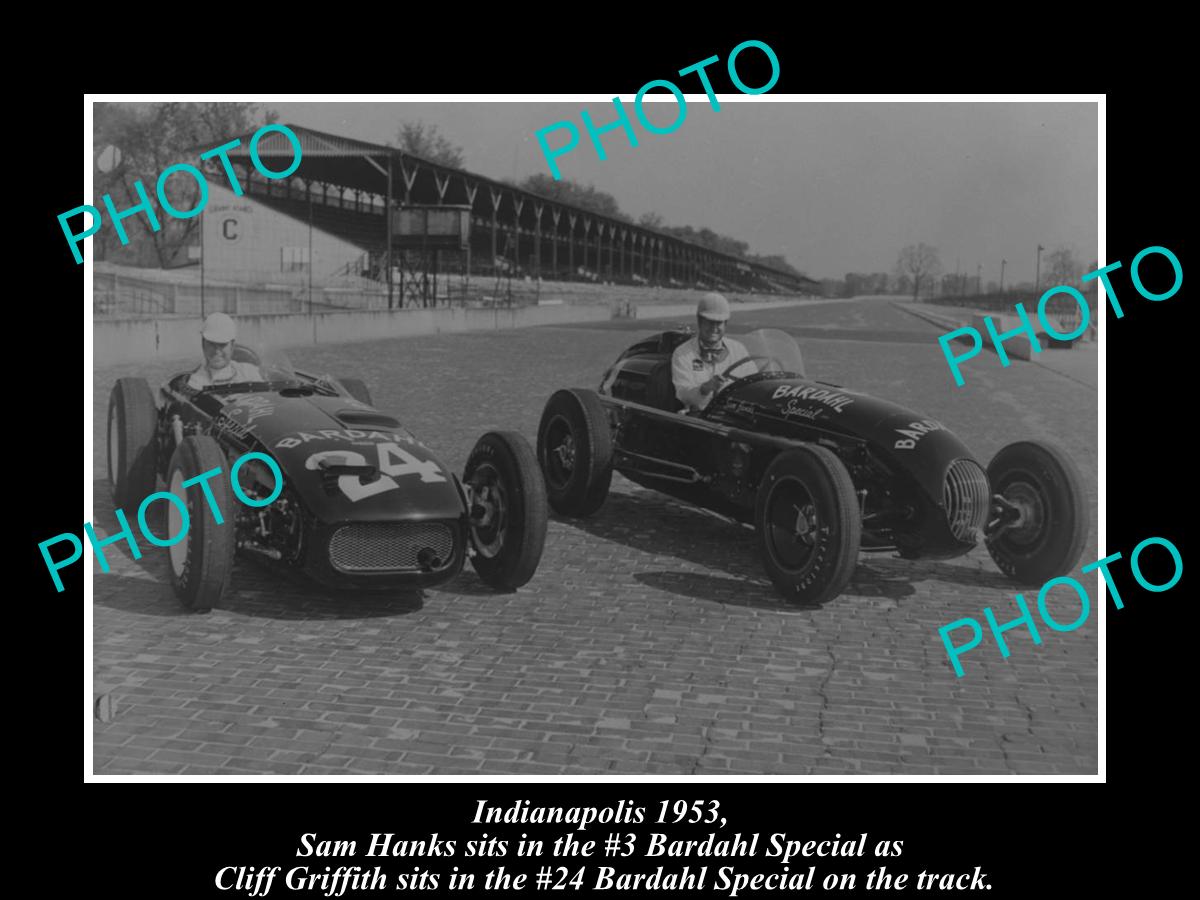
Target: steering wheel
[(748, 359)]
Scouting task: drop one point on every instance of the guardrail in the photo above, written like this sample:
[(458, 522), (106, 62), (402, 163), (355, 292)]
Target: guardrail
[(125, 296), (1006, 301)]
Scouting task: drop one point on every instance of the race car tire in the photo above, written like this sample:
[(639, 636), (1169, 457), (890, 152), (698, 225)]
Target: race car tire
[(575, 452), (808, 522), (201, 563), (508, 487), (132, 444), (1045, 483), (357, 389)]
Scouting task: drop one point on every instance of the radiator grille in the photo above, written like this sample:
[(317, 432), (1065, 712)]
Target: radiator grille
[(390, 546), (968, 499)]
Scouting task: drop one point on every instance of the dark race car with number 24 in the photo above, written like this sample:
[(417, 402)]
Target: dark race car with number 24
[(364, 504), (820, 471)]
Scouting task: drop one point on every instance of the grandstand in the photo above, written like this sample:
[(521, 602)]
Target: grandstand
[(320, 239)]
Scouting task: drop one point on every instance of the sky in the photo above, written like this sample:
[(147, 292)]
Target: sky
[(835, 187)]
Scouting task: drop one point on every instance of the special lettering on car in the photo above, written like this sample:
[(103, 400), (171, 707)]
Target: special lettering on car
[(833, 399)]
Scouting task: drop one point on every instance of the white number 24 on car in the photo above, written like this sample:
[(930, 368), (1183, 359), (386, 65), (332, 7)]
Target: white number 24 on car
[(356, 489)]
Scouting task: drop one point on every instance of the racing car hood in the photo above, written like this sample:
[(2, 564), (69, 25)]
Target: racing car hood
[(345, 459), (794, 407)]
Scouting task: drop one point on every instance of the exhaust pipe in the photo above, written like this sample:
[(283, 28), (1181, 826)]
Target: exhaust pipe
[(428, 559)]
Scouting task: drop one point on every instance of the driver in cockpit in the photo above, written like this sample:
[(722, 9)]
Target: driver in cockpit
[(699, 365), (218, 337)]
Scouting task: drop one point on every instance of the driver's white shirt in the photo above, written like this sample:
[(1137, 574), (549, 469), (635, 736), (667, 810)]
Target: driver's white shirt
[(690, 369), (238, 371)]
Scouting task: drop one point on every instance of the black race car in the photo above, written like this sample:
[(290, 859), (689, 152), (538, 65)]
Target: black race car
[(821, 471), (363, 505)]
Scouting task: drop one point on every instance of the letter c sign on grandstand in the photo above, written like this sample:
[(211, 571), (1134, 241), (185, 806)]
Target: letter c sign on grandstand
[(147, 208)]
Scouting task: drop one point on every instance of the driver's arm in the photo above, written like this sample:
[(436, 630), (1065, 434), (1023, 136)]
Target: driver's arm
[(687, 381), (198, 379)]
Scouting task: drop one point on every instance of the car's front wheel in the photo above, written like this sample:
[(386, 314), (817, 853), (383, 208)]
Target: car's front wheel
[(575, 452), (808, 523), (508, 509), (202, 561), (1047, 526), (132, 422)]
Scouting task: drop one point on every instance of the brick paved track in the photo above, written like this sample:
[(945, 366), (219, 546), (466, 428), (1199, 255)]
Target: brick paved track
[(649, 641)]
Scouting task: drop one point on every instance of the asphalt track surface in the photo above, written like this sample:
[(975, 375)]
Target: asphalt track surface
[(649, 642)]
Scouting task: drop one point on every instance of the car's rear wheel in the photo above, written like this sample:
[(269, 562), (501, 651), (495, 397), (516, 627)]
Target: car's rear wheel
[(202, 562), (508, 509), (357, 388), (575, 452), (1041, 484), (808, 523), (132, 444)]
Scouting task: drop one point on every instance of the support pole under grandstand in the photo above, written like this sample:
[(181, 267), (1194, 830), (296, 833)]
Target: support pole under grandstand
[(310, 246), (387, 206)]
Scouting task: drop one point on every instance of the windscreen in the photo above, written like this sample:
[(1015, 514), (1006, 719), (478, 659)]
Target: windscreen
[(272, 362), (770, 350)]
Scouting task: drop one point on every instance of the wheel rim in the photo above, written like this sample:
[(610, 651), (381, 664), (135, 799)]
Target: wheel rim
[(114, 447), (488, 493), (178, 552), (792, 524), (1029, 529), (560, 452)]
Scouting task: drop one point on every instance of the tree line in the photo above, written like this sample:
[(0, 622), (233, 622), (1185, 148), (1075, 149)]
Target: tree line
[(919, 273)]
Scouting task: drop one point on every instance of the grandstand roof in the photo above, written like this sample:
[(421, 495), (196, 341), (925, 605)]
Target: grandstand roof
[(363, 166)]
